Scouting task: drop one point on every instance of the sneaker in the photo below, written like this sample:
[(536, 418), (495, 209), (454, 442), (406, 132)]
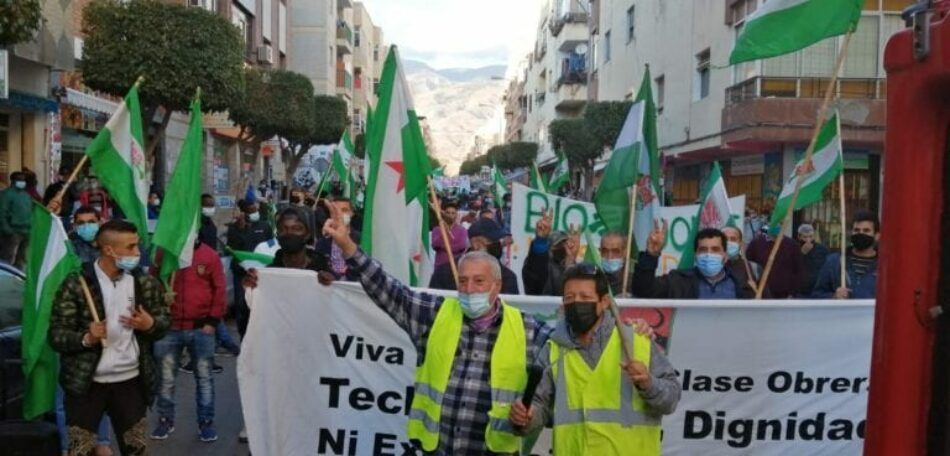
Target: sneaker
[(206, 432), (165, 427), (187, 368), (242, 436), (216, 369)]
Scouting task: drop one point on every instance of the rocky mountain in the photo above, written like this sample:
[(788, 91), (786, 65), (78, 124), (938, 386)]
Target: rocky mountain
[(458, 104)]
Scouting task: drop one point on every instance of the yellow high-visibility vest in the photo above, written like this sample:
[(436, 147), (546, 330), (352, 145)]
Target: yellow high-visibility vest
[(599, 411), (508, 377)]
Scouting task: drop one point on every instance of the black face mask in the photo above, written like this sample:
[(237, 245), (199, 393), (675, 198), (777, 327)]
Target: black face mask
[(581, 316), (862, 241), (291, 243), (294, 200), (558, 254), (494, 249)]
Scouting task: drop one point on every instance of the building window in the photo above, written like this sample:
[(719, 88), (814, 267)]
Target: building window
[(266, 21), (660, 92), (607, 46), (282, 27), (376, 86), (376, 53), (356, 36), (630, 23), (358, 78), (242, 21), (702, 74)]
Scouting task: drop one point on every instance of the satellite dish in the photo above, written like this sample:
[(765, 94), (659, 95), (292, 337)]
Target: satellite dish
[(581, 49)]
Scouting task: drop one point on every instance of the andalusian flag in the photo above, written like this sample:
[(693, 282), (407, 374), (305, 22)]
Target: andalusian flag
[(633, 162), (537, 181), (251, 260), (118, 161), (180, 218), (343, 164), (499, 185), (561, 175), (396, 225), (714, 212), (782, 26), (50, 259), (592, 251), (826, 164)]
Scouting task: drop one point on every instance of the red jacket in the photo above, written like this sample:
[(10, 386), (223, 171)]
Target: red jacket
[(199, 291)]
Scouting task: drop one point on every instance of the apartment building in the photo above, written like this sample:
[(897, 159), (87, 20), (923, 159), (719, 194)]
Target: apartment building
[(555, 74), (369, 54), (756, 118)]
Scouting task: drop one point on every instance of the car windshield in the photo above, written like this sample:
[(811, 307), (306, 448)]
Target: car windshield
[(11, 300)]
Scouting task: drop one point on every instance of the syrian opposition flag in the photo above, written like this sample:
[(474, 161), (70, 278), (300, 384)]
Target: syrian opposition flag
[(633, 162), (826, 164), (499, 185), (396, 226), (251, 260), (343, 165), (537, 181), (782, 26), (561, 175), (714, 212), (50, 259), (118, 160), (180, 218)]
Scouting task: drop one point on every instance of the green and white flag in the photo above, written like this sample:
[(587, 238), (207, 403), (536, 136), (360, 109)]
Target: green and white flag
[(251, 260), (343, 165), (561, 175), (180, 218), (49, 259), (826, 164), (499, 185), (714, 212), (537, 180), (592, 251), (396, 224), (782, 26), (633, 164), (118, 161)]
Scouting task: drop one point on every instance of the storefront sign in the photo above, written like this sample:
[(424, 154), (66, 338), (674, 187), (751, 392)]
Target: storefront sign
[(748, 166)]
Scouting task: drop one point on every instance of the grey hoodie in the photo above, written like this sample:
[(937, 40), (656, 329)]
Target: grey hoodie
[(661, 398)]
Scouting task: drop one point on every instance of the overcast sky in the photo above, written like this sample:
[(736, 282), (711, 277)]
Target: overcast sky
[(458, 33)]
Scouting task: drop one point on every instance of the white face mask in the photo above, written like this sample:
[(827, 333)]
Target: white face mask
[(207, 211), (346, 219)]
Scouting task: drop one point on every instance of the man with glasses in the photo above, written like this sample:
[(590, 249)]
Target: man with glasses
[(600, 402)]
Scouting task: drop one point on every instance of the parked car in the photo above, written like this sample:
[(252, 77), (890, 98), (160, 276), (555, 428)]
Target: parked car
[(11, 362)]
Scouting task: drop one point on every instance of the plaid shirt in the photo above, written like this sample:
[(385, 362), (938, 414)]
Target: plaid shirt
[(468, 395)]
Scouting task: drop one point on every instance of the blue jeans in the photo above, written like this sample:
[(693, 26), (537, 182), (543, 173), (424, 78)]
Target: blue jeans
[(167, 352), (224, 338), (105, 426)]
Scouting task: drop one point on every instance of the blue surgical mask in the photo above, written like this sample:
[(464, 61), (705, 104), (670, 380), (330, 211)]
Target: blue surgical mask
[(20, 184), (474, 305), (254, 216), (612, 265), (127, 263), (709, 264), (732, 249), (88, 231)]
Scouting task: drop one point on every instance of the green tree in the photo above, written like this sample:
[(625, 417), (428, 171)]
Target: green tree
[(327, 127), (19, 20), (573, 137), (177, 49), (521, 154), (605, 120)]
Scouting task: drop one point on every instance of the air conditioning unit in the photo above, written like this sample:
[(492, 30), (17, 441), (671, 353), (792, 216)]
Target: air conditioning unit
[(265, 54)]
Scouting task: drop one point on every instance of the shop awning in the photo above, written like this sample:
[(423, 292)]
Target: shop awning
[(90, 102)]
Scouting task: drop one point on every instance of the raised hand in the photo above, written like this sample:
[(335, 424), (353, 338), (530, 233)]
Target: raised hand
[(340, 233), (657, 239), (543, 227)]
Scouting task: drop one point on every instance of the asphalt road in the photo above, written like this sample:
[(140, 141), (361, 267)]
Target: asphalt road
[(228, 418)]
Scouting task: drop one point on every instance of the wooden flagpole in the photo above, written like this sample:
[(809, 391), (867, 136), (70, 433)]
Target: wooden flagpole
[(445, 233), (627, 260), (822, 116), (844, 236)]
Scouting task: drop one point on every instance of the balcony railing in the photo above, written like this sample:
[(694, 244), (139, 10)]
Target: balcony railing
[(568, 18), (344, 32), (783, 87), (344, 80)]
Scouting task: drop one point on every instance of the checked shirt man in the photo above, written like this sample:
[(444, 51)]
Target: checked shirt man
[(473, 352)]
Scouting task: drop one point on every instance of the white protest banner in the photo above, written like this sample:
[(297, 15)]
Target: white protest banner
[(528, 206), (325, 371)]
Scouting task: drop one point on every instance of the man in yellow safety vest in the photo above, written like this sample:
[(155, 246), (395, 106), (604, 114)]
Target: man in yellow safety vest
[(600, 402)]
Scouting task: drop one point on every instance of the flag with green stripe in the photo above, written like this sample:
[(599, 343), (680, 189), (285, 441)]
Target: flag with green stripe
[(50, 259), (561, 174)]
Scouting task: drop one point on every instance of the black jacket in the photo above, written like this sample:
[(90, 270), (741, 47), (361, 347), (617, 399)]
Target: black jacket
[(681, 284), (541, 274), (442, 279), (247, 238)]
